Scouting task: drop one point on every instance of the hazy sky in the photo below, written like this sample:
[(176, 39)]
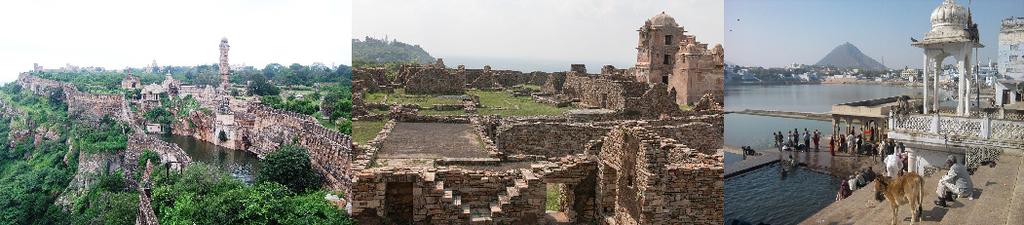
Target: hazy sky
[(780, 32), (118, 34), (531, 34)]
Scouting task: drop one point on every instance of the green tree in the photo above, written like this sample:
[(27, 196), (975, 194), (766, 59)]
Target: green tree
[(261, 87), (290, 166)]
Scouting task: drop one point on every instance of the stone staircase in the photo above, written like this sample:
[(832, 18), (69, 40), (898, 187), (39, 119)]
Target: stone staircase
[(494, 211), (513, 195), (451, 200)]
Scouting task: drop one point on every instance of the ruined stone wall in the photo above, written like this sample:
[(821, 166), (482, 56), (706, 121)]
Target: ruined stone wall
[(369, 79), (654, 102), (94, 106), (40, 86), (447, 196), (330, 152), (432, 80), (600, 93), (206, 95), (697, 71), (647, 179), (553, 83), (547, 139), (169, 153)]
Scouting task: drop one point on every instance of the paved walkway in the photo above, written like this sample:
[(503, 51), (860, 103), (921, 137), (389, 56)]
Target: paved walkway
[(1000, 200)]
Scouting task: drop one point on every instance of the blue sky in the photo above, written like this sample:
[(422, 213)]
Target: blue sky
[(781, 32)]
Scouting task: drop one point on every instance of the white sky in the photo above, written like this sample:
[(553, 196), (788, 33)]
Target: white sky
[(594, 32), (119, 33)]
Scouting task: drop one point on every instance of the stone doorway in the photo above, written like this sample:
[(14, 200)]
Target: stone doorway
[(558, 203), (604, 101), (398, 200)]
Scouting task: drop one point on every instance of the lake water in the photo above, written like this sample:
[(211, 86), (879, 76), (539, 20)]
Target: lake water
[(240, 164), (755, 131), (805, 98), (764, 195)]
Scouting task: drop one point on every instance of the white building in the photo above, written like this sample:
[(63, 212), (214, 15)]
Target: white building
[(1011, 48)]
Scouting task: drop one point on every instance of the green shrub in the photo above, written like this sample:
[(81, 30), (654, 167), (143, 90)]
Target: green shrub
[(290, 166)]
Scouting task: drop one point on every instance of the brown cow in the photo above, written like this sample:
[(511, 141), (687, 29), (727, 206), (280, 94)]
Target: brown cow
[(903, 189)]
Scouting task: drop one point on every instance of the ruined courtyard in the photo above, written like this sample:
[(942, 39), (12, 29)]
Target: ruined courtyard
[(455, 145)]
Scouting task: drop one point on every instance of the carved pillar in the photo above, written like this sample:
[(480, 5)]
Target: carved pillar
[(986, 126), (937, 71), (924, 88), (967, 68), (961, 85)]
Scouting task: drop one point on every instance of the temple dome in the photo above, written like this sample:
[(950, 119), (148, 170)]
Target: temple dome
[(949, 13), (663, 19)]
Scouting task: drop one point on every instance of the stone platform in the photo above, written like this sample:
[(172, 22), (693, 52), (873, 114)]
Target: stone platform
[(841, 164), (999, 200)]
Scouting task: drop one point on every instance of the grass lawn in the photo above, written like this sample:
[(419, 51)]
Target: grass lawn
[(400, 97), (552, 196), (364, 131), (513, 106), (531, 87), (431, 112)]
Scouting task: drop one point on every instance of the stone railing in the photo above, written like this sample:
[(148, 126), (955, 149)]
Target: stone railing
[(983, 128)]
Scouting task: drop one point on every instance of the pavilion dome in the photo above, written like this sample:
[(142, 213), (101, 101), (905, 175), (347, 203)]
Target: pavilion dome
[(663, 19), (949, 13)]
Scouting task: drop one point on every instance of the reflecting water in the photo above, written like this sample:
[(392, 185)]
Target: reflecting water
[(241, 164), (765, 195), (732, 157), (756, 131), (805, 98)]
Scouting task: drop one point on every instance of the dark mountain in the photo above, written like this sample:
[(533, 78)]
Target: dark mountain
[(848, 56), (384, 51)]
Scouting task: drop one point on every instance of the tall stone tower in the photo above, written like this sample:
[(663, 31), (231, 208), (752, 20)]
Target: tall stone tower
[(225, 68), (666, 55)]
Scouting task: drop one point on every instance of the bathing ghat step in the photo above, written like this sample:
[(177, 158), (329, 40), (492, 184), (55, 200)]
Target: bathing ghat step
[(767, 156)]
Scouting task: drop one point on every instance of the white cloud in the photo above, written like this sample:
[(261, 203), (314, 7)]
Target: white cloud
[(121, 33)]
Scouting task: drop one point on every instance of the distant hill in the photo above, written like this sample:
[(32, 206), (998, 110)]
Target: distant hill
[(848, 56), (384, 51)]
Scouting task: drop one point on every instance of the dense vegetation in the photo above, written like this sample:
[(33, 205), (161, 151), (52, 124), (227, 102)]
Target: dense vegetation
[(110, 136), (289, 166), (202, 194), (307, 101), (294, 74), (35, 173), (383, 51)]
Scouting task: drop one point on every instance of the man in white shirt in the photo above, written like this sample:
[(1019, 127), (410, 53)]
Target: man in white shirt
[(956, 181)]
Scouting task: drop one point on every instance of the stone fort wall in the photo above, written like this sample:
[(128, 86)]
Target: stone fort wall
[(330, 152)]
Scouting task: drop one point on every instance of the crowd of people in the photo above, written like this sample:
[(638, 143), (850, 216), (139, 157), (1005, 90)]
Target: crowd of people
[(868, 141), (796, 141)]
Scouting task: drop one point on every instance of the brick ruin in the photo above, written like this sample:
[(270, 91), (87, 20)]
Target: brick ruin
[(607, 171), (628, 155), (667, 55)]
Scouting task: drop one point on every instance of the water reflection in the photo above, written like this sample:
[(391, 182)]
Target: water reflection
[(240, 164), (777, 195)]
